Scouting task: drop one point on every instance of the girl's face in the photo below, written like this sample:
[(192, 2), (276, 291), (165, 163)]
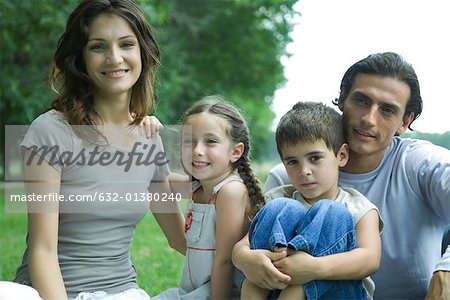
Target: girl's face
[(112, 55), (207, 150)]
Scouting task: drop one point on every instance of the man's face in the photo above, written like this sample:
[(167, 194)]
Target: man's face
[(373, 113)]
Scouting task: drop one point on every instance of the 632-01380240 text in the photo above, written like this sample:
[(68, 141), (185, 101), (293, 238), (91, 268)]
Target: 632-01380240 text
[(102, 197)]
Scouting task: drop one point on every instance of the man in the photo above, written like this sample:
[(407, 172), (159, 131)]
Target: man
[(408, 180)]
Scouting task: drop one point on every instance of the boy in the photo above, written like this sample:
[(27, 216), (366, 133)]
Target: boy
[(310, 141)]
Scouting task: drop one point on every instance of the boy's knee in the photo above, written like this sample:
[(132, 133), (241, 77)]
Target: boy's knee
[(332, 207), (280, 204)]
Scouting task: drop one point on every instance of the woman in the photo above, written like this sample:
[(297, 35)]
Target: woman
[(89, 149)]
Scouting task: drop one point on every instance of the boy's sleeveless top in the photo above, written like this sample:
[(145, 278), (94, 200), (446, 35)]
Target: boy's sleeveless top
[(201, 249)]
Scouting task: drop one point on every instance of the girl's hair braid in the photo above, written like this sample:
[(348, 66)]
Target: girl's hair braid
[(251, 182)]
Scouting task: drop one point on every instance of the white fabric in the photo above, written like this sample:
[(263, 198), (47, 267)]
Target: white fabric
[(131, 294), (15, 291)]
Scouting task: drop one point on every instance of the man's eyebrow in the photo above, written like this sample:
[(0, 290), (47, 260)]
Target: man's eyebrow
[(361, 94)]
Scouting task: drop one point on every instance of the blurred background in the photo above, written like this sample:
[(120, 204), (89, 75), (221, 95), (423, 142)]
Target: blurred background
[(263, 55)]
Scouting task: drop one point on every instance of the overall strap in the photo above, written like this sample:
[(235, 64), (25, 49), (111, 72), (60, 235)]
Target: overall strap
[(217, 187)]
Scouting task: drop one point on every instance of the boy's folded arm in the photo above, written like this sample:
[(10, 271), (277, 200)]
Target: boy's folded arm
[(351, 265), (258, 267)]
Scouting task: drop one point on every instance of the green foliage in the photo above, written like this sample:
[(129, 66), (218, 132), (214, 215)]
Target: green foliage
[(231, 48), (442, 140), (228, 47)]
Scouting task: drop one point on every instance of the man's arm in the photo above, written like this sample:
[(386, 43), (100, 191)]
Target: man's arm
[(435, 184), (440, 282)]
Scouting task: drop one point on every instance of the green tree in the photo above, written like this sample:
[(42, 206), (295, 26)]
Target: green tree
[(231, 48), (442, 140), (228, 47)]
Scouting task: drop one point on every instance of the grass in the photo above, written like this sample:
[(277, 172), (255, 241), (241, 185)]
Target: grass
[(158, 266)]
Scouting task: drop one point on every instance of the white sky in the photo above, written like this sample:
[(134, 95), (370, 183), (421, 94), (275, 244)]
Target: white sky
[(331, 35)]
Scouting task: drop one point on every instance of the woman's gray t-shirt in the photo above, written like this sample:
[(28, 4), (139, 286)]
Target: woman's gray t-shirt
[(95, 235)]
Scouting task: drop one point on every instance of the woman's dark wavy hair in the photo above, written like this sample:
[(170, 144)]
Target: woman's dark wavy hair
[(238, 133), (68, 76), (388, 64)]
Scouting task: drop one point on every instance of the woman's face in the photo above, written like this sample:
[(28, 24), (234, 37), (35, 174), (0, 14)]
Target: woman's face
[(112, 55)]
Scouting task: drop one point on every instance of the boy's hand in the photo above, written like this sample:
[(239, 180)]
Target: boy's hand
[(151, 126), (439, 286), (299, 265), (263, 272)]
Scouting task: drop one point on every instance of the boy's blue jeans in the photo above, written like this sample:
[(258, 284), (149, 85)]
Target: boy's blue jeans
[(326, 228)]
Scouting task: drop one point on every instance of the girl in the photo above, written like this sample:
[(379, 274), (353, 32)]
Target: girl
[(103, 70), (225, 195)]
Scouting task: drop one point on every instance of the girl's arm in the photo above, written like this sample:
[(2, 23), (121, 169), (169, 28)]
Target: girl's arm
[(230, 228), (180, 184), (169, 216), (352, 265), (43, 217)]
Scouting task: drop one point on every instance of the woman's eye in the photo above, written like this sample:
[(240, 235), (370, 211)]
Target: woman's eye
[(127, 45), (96, 47)]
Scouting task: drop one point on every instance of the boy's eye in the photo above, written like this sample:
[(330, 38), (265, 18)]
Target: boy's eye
[(315, 158), (211, 141), (291, 162)]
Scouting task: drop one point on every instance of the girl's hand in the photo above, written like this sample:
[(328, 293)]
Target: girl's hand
[(152, 126)]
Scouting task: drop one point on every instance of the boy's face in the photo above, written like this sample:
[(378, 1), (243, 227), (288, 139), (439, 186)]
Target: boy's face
[(314, 169)]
